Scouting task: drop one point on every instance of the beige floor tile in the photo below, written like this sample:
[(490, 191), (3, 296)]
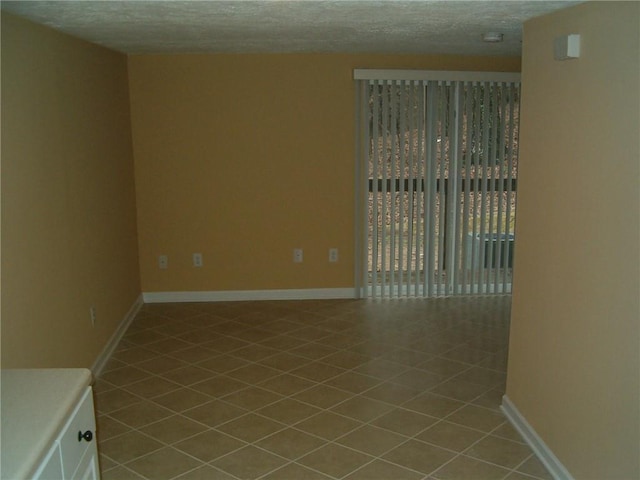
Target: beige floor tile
[(323, 396), (189, 375), (163, 464), (225, 344), (459, 389), (124, 375), (356, 360), (294, 471), (249, 463), (317, 371), (381, 470), (463, 467), (404, 422), (499, 451), (152, 387), (392, 393), (328, 425), (491, 399), (219, 386), (484, 376), (290, 443), (314, 351), (284, 361), (288, 411), (250, 427), (255, 352), (222, 363), (353, 382), (167, 345), (115, 399), (281, 342), (182, 399), (534, 467), (372, 440), (252, 398), (519, 476), (362, 408), (286, 384), (419, 456), (107, 427), (205, 472), (507, 431), (476, 417), (173, 429), (433, 405), (335, 460), (346, 359), (444, 366), (126, 447), (380, 368), (140, 414), (450, 436), (214, 413), (120, 473), (209, 445), (417, 378)]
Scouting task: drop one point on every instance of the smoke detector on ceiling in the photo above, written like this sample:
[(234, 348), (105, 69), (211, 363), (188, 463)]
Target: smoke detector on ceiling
[(492, 37)]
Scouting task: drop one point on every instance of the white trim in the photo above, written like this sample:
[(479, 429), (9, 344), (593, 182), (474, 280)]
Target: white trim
[(443, 75), (542, 451), (111, 345), (243, 295)]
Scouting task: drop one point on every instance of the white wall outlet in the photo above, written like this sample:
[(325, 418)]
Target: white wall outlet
[(92, 315), (197, 260), (163, 262), (297, 255), (333, 255)]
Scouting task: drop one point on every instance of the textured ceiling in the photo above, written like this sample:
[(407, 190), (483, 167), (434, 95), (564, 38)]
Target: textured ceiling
[(391, 26)]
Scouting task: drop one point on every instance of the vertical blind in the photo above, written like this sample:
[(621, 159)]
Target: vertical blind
[(437, 172)]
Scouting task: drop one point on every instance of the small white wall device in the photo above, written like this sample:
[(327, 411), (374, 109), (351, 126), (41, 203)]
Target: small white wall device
[(566, 47)]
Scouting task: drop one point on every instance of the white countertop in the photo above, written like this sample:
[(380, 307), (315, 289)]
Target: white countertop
[(34, 406)]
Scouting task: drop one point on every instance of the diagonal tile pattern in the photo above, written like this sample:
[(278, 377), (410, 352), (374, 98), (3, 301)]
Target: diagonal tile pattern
[(297, 390)]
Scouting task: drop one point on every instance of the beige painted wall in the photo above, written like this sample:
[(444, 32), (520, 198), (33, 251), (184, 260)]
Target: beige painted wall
[(246, 157), (574, 366), (68, 199)]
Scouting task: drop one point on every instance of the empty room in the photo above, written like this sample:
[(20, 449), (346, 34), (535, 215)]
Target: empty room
[(320, 240)]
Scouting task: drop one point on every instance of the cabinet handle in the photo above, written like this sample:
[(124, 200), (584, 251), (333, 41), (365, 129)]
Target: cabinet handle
[(88, 436)]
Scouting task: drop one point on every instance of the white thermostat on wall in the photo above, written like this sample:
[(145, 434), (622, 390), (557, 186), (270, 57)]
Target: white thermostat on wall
[(566, 47)]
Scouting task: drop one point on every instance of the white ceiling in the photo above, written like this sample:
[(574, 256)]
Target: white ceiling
[(239, 26)]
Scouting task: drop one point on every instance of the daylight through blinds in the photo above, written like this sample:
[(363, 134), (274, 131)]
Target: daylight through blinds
[(437, 181)]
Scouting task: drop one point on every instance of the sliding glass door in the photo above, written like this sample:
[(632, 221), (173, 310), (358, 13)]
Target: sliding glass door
[(437, 176)]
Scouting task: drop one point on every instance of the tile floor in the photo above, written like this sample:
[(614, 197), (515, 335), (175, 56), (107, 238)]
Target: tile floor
[(335, 389)]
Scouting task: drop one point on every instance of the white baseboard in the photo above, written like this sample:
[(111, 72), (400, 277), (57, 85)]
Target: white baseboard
[(542, 451), (111, 345), (243, 295)]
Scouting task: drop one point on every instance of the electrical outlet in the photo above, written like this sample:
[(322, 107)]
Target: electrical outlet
[(333, 255), (297, 255), (197, 260), (92, 314), (163, 262)]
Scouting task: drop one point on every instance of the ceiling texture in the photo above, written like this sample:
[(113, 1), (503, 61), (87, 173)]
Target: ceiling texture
[(291, 26)]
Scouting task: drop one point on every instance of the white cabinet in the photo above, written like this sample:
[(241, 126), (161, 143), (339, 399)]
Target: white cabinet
[(74, 454), (48, 425)]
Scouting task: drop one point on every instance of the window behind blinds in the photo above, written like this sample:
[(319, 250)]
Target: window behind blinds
[(437, 176)]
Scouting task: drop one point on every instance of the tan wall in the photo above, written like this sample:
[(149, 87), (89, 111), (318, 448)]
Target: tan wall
[(68, 199), (246, 157), (574, 365)]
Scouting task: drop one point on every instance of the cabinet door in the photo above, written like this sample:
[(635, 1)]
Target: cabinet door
[(78, 435), (51, 468), (88, 468)]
